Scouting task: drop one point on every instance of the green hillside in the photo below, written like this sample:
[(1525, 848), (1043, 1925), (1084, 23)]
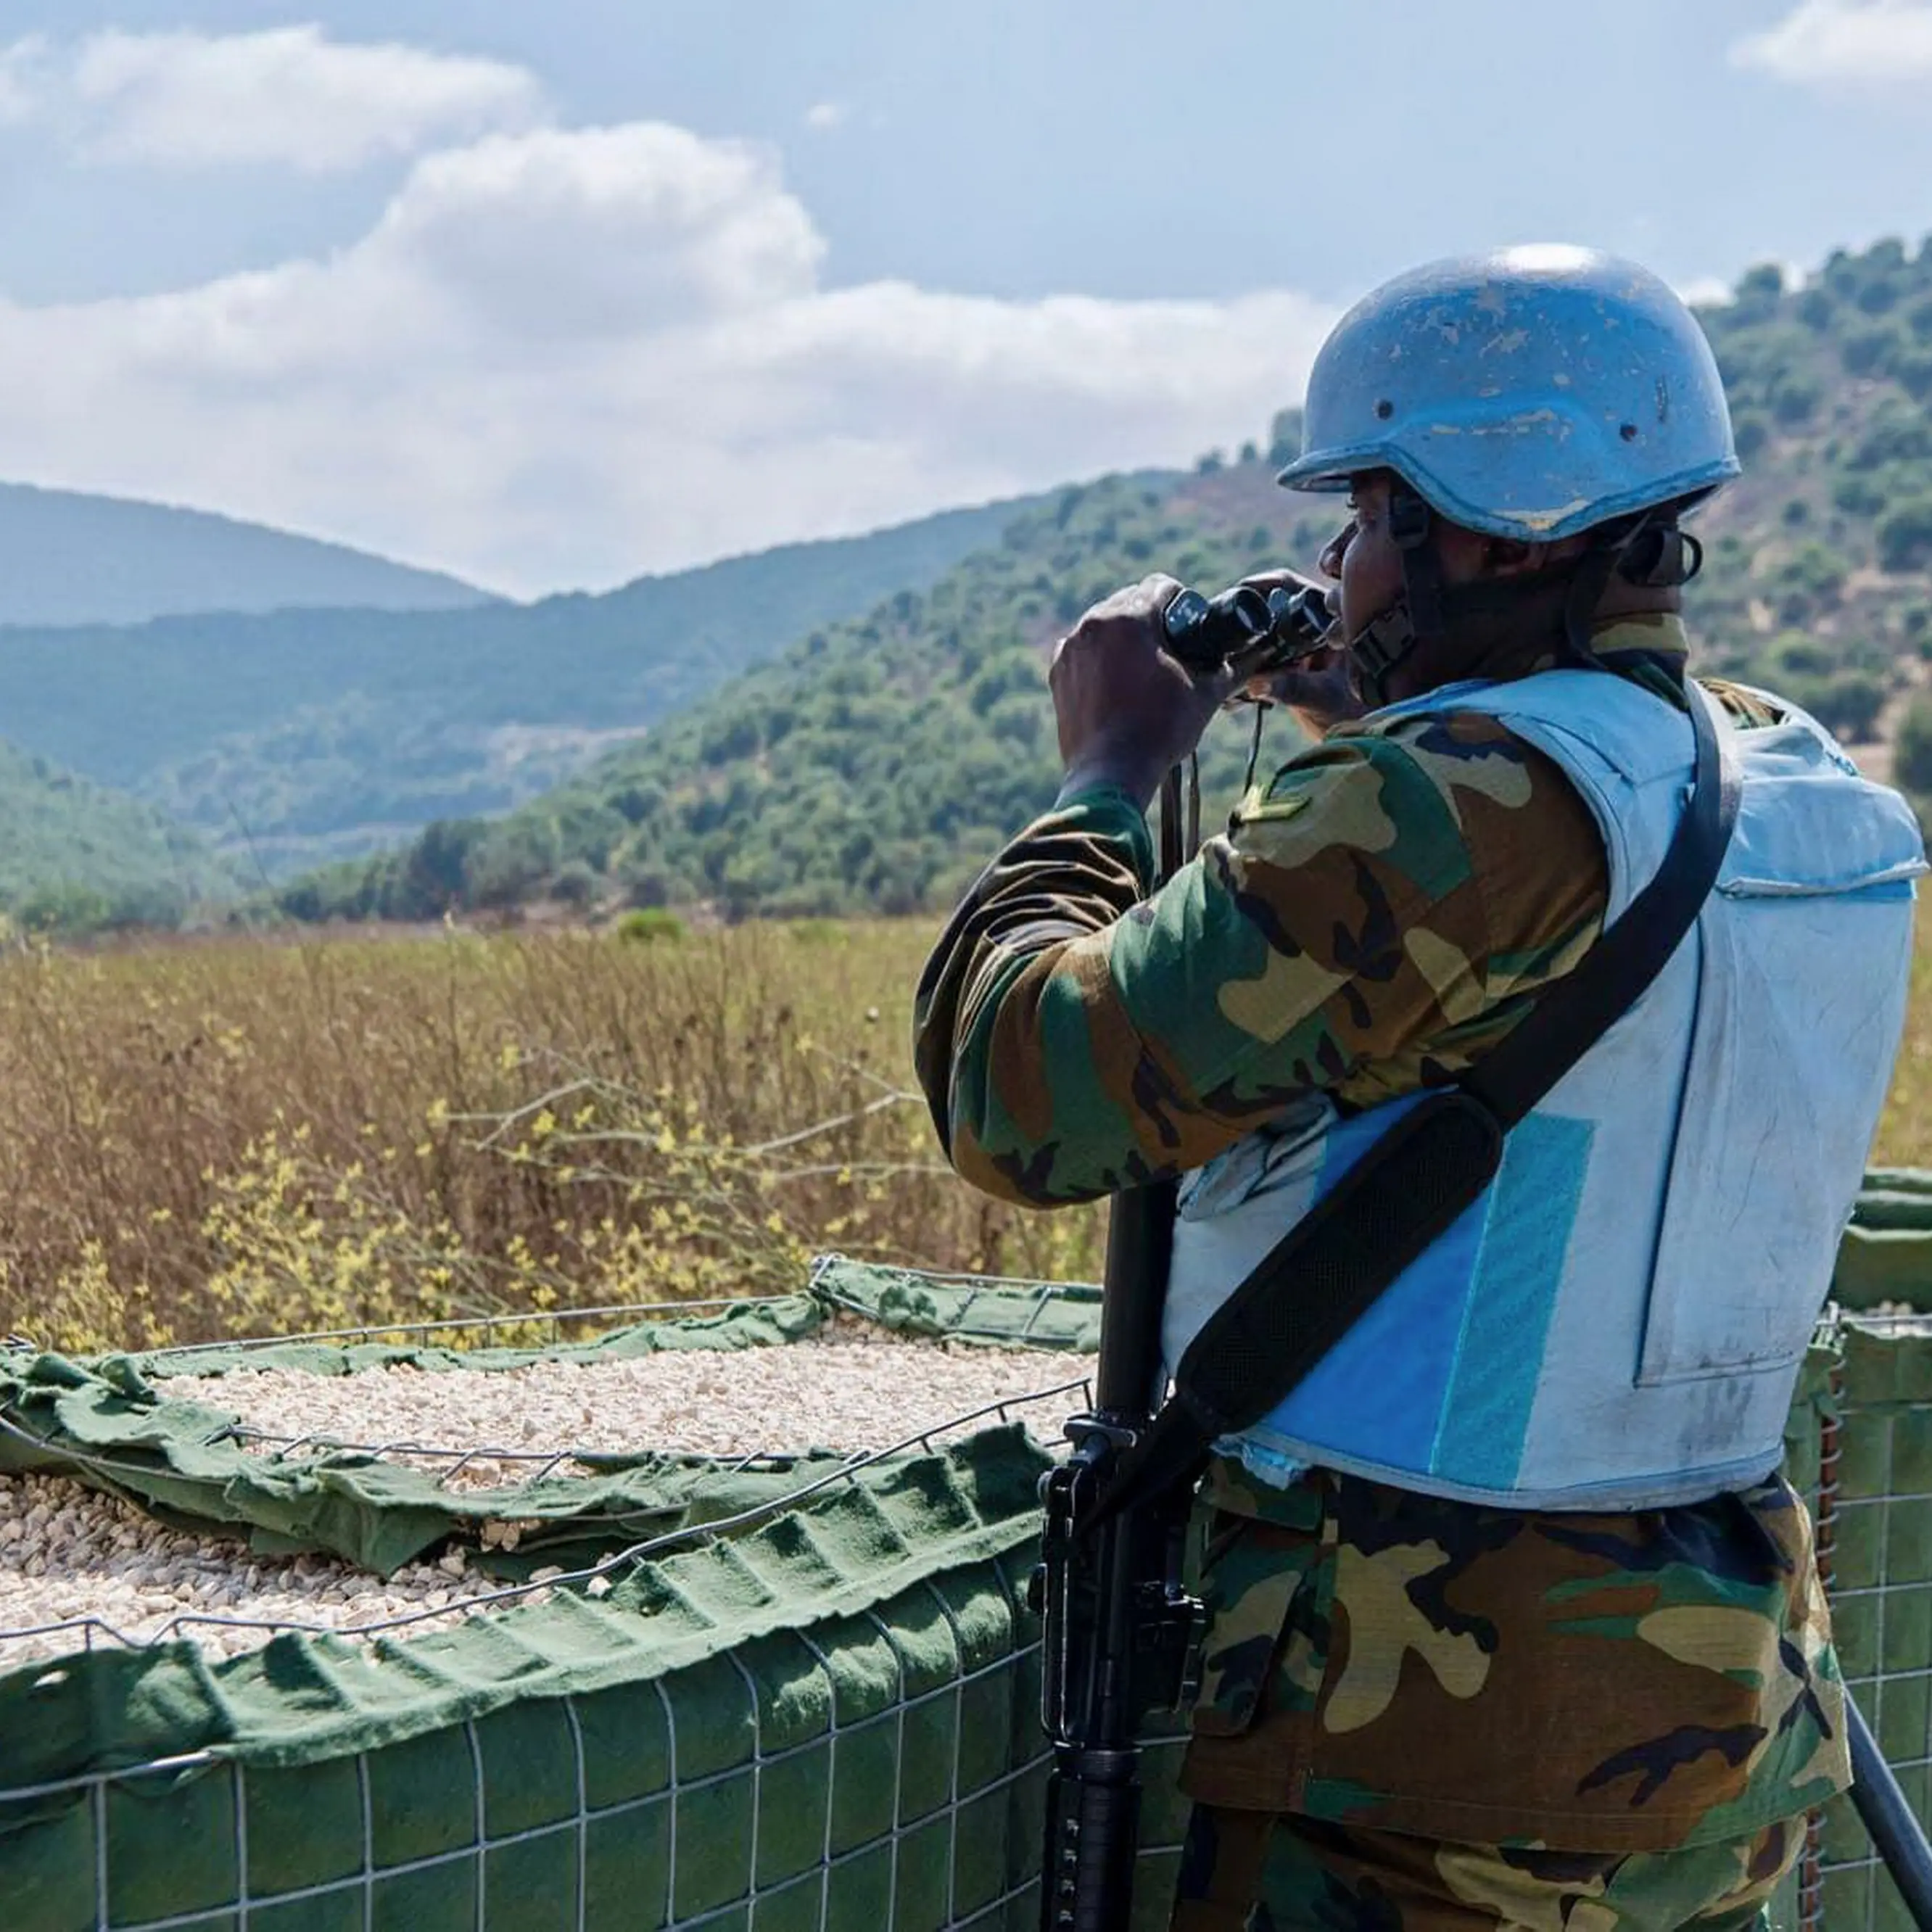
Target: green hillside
[(1818, 577), (75, 856), (68, 558), (877, 763), (293, 737)]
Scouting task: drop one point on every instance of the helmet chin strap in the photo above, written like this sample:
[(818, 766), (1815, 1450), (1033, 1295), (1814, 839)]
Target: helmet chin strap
[(1648, 549), (1415, 618)]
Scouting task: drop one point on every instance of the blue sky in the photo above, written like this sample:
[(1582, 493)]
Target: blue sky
[(550, 294)]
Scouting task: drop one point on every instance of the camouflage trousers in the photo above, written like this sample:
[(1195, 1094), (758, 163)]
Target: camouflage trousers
[(1259, 1871)]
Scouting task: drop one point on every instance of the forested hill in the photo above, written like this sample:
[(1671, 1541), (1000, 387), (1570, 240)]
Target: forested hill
[(70, 558), (293, 737), (877, 764), (873, 765), (1819, 578), (77, 856)]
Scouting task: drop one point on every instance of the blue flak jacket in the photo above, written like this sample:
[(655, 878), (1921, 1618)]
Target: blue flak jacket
[(1617, 1323)]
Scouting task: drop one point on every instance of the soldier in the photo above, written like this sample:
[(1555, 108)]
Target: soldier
[(1513, 1622)]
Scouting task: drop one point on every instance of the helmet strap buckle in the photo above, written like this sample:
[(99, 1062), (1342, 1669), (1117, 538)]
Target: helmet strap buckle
[(1410, 519), (1379, 646), (1416, 616), (1412, 524)]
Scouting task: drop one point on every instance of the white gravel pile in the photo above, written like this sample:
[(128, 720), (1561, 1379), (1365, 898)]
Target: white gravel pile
[(851, 1390), (66, 1553)]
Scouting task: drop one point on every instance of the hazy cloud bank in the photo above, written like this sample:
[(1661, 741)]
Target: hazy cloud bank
[(561, 356), (1866, 43), (288, 96)]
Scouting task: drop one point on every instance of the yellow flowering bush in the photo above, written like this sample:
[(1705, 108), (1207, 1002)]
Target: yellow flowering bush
[(248, 1137)]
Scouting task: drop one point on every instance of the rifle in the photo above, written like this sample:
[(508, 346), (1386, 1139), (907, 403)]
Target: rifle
[(1118, 1627)]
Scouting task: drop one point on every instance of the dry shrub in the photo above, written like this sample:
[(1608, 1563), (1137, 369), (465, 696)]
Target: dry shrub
[(1905, 1134), (237, 1138), (205, 1139)]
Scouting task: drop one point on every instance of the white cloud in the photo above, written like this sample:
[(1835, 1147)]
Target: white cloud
[(1844, 43), (823, 115), (1705, 292), (20, 79), (601, 232), (288, 96), (562, 358)]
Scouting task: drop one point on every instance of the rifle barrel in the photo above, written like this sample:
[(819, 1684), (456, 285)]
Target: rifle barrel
[(1093, 1591)]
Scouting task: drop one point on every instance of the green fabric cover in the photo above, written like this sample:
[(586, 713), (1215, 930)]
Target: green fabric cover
[(833, 1708), (869, 1648), (113, 1430), (1886, 1255), (964, 1308), (745, 1325), (111, 1422), (874, 1534)]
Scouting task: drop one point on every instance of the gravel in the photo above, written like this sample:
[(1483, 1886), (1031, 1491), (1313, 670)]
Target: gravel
[(67, 1552), (849, 1389)]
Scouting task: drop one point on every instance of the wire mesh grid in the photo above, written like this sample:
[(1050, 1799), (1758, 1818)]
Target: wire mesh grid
[(468, 1331), (957, 1851), (1873, 1510), (956, 1859), (89, 1630), (990, 1297), (765, 1844)]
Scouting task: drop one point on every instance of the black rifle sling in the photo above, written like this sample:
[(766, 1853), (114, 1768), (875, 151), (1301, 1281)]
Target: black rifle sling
[(1316, 1282)]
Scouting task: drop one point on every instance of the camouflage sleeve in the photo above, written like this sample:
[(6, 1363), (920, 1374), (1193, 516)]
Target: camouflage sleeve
[(1375, 916)]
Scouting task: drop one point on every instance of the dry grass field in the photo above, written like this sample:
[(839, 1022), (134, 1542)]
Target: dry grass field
[(1905, 1134), (204, 1138)]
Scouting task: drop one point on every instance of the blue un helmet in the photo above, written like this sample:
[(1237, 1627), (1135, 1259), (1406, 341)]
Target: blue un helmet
[(1534, 393)]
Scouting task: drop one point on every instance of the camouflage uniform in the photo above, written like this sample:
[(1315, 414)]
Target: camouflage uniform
[(1244, 1869), (1395, 1685)]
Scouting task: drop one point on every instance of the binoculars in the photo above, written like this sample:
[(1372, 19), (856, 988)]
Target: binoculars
[(1243, 631)]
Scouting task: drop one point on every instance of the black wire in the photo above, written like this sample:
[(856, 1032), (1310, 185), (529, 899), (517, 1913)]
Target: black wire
[(1262, 706), (1170, 857)]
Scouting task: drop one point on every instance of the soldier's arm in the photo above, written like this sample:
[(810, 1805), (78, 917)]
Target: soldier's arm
[(1073, 1035)]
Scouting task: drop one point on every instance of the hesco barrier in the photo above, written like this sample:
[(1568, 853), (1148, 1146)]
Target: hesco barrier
[(1860, 1444), (807, 1698)]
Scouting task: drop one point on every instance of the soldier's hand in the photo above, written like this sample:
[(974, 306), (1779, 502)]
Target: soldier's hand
[(1127, 711), (1319, 691)]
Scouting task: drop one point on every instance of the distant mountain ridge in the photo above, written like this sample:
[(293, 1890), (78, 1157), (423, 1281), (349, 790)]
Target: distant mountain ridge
[(68, 557), (291, 737)]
